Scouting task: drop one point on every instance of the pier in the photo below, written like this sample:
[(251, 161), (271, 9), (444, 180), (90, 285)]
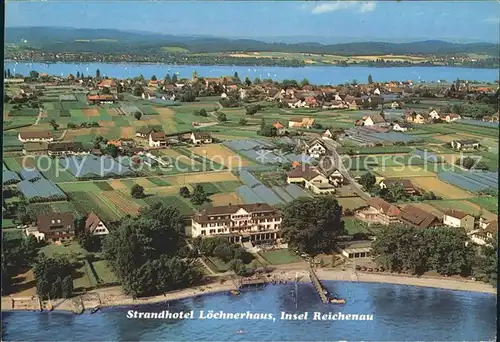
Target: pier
[(317, 285)]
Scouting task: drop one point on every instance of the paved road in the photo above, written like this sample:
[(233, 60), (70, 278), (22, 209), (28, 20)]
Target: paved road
[(337, 161)]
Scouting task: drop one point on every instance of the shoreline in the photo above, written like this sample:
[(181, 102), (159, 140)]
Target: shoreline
[(365, 65), (112, 297)]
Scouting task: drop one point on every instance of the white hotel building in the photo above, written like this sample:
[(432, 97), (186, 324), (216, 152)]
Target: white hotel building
[(239, 223)]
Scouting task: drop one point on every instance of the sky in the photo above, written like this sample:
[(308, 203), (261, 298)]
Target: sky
[(324, 22)]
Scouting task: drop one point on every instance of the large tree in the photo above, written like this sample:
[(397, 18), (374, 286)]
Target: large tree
[(312, 225), (486, 263), (443, 250), (49, 274), (367, 180), (143, 252)]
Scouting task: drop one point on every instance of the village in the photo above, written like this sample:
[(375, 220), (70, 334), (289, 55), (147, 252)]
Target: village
[(230, 154)]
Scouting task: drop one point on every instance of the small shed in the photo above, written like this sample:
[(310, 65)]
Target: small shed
[(355, 250)]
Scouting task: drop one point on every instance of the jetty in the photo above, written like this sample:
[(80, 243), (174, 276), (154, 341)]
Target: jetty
[(318, 286)]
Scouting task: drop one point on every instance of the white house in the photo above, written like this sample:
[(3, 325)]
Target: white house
[(451, 117), (148, 96), (328, 134), (374, 120), (465, 144), (35, 136), (239, 223), (157, 139), (399, 127), (487, 230), (376, 91), (434, 114), (316, 148), (223, 96), (201, 138), (310, 178), (458, 219), (95, 226), (395, 105)]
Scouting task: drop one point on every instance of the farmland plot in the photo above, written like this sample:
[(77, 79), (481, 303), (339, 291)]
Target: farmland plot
[(201, 177), (440, 188), (403, 171), (221, 155)]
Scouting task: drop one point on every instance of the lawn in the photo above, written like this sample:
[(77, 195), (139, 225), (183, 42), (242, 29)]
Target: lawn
[(220, 266), (280, 257), (351, 203), (103, 272), (353, 226), (7, 223), (73, 250)]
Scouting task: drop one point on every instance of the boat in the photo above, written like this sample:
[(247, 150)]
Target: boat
[(235, 292), (49, 307), (95, 309), (337, 301), (239, 332)]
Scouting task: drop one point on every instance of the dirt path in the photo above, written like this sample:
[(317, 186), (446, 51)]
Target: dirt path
[(39, 117)]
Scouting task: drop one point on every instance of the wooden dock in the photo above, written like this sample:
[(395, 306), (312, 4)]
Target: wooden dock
[(317, 285)]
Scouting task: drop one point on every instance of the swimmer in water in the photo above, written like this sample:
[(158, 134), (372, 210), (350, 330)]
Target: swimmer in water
[(240, 331)]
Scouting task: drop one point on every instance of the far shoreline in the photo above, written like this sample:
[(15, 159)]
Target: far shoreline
[(121, 301), (259, 66)]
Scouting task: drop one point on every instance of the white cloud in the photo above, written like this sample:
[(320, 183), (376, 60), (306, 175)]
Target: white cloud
[(368, 6), (333, 6)]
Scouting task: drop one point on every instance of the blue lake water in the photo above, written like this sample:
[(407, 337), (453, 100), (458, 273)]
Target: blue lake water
[(399, 313), (315, 74)]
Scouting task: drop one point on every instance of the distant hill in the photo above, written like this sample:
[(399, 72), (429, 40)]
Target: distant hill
[(57, 39)]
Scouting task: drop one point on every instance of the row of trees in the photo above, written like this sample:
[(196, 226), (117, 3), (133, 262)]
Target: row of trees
[(445, 250), (145, 252), (474, 110)]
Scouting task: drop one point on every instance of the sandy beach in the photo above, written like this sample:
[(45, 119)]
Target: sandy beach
[(113, 296), (401, 279)]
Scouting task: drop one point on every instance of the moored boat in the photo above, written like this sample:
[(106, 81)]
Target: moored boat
[(337, 301)]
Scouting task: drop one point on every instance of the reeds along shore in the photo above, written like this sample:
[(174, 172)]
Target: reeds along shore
[(113, 296)]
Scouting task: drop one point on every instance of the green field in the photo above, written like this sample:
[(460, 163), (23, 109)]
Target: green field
[(375, 150), (280, 257), (158, 181), (488, 203)]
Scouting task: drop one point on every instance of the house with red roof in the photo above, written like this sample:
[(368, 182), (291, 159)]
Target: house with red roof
[(379, 211), (280, 128)]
